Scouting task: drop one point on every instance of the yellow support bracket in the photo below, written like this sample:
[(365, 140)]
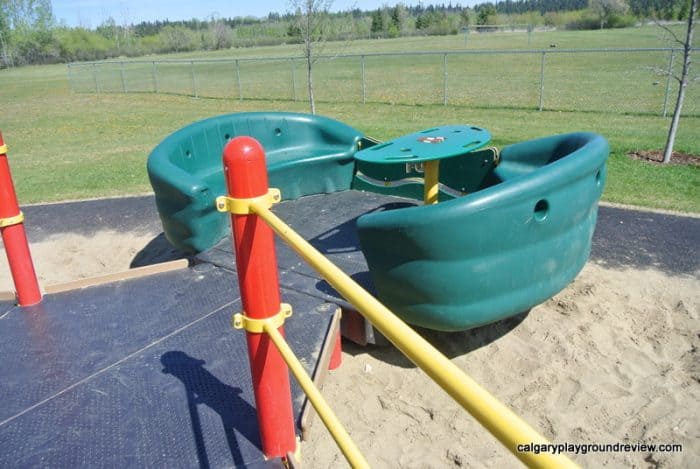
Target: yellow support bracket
[(257, 326), (9, 221), (242, 206), (3, 149)]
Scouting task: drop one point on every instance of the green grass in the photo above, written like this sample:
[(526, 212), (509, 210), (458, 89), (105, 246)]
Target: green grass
[(69, 146), (622, 82)]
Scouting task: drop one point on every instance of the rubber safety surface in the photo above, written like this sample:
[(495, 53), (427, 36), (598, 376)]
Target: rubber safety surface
[(140, 373)]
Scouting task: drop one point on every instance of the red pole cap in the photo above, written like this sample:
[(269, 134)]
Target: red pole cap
[(244, 168)]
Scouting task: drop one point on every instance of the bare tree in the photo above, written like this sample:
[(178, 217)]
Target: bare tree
[(311, 20), (683, 79), (220, 34)]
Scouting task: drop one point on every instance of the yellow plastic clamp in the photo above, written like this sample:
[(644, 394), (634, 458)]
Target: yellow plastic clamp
[(242, 206), (3, 149), (9, 221), (241, 321)]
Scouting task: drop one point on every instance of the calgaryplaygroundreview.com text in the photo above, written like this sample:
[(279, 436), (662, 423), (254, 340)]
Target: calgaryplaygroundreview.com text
[(585, 448)]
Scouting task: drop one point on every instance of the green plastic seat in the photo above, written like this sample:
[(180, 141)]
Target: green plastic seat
[(305, 155), (495, 252)]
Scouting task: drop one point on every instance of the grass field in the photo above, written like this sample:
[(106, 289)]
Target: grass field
[(66, 146), (447, 69)]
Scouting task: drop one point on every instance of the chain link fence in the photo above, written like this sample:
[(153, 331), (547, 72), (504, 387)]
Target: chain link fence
[(625, 81)]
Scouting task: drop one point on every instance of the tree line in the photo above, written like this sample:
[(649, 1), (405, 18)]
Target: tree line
[(30, 34)]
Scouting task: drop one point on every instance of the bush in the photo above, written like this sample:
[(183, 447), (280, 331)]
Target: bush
[(585, 22), (621, 21), (81, 45)]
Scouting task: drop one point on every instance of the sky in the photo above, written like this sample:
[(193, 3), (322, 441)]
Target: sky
[(91, 13)]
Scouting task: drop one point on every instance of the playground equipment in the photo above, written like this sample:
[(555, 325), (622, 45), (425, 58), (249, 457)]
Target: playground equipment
[(517, 240), (118, 381), (511, 229), (305, 155), (249, 202)]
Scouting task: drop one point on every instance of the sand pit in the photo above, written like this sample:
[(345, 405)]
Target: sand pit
[(611, 359)]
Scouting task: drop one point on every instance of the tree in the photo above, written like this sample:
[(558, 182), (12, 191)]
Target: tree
[(397, 25), (464, 17), (683, 79), (5, 36), (30, 24), (377, 22), (311, 18), (486, 14), (109, 30), (659, 9), (220, 32), (604, 9), (177, 39)]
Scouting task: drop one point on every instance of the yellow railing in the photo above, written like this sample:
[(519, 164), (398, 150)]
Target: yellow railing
[(498, 419), (336, 429)]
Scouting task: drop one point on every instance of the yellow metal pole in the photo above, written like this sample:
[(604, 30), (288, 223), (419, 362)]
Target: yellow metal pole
[(431, 181), (341, 437), (498, 419)]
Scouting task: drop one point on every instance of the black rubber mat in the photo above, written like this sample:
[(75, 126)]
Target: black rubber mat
[(139, 373)]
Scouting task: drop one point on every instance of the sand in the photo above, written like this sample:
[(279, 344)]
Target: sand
[(613, 358)]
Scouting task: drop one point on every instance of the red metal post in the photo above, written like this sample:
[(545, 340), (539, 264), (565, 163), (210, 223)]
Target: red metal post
[(253, 242), (15, 238)]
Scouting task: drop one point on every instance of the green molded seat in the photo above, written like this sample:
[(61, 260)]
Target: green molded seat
[(459, 175), (305, 154), (495, 252)]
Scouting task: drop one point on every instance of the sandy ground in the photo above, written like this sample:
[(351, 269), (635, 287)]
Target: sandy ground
[(611, 359)]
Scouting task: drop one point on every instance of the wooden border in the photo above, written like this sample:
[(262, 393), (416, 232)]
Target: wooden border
[(8, 296), (307, 410), (138, 272)]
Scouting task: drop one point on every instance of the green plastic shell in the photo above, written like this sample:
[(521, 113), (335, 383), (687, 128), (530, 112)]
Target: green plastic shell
[(495, 252), (305, 154)]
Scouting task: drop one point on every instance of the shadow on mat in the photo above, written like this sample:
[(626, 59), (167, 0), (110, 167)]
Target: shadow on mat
[(156, 251), (450, 344), (364, 279), (342, 238), (202, 387)]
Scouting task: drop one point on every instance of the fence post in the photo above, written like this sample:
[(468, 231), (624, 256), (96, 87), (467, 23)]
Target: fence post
[(238, 81), (15, 238), (94, 77), (70, 78), (253, 242), (294, 80), (363, 85), (668, 81), (121, 72), (154, 69), (444, 80), (194, 80), (541, 104)]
